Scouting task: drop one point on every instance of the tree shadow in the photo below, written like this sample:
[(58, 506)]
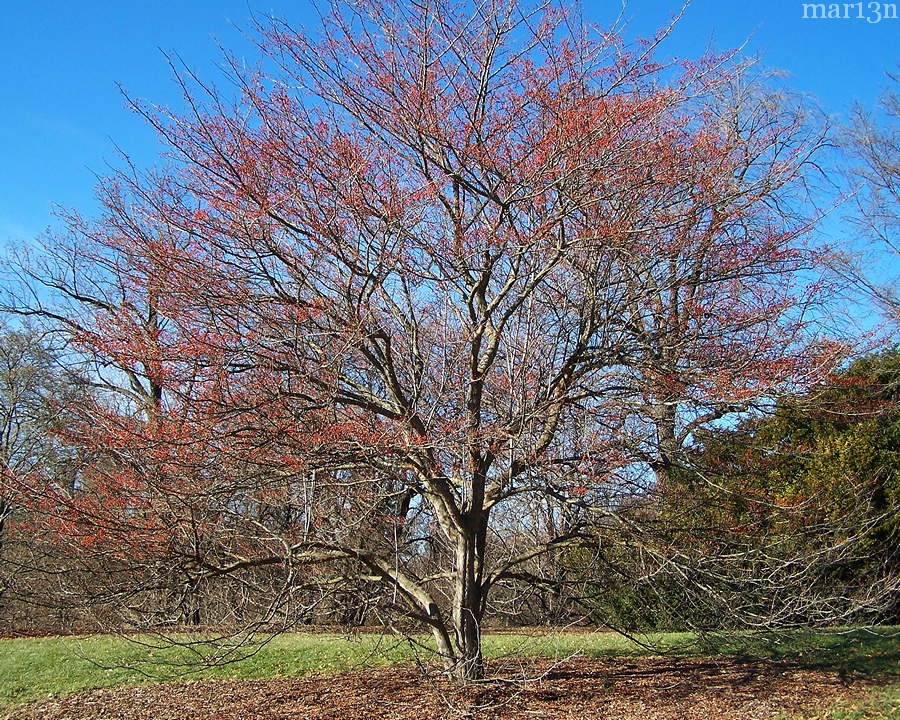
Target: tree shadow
[(857, 652)]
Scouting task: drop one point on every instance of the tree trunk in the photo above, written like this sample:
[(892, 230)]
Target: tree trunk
[(468, 600), (5, 510), (444, 646)]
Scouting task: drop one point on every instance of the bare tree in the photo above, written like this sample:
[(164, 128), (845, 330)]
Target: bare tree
[(443, 293), (872, 141)]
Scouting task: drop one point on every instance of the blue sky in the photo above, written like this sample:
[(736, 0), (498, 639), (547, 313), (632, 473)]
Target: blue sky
[(62, 113)]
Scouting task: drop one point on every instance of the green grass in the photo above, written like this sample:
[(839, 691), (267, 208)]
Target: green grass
[(36, 668), (864, 652)]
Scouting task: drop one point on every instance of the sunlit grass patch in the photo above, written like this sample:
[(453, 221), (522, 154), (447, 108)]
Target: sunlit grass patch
[(36, 668)]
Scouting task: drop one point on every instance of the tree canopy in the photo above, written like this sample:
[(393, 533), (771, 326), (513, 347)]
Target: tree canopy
[(443, 290)]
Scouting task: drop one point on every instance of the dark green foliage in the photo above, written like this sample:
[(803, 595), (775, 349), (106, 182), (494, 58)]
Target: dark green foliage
[(789, 518)]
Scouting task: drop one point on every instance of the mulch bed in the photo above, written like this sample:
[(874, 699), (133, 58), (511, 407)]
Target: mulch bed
[(652, 688)]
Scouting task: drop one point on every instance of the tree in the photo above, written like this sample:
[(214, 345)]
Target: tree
[(873, 143), (804, 494), (433, 295), (33, 389)]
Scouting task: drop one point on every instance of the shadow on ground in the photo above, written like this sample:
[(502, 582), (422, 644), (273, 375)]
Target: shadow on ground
[(626, 688)]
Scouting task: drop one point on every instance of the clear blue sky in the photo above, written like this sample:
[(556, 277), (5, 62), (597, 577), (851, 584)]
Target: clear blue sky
[(62, 113)]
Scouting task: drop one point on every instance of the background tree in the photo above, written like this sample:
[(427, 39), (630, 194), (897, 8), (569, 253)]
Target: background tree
[(444, 292), (34, 392), (805, 494), (872, 141)]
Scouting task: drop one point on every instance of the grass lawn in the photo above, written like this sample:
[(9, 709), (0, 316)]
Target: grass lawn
[(32, 669)]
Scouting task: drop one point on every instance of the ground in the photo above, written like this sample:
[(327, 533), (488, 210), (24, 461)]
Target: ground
[(651, 688), (849, 675)]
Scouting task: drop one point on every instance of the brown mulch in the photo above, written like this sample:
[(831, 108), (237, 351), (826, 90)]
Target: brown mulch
[(577, 689)]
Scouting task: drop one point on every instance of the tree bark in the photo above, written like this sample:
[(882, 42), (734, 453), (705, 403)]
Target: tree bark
[(4, 512), (468, 595)]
